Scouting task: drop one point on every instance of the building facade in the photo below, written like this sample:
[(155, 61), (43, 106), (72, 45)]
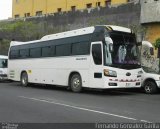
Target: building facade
[(150, 18), (28, 8)]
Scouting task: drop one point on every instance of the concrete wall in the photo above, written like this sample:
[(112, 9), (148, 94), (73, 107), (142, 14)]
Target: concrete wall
[(124, 15), (150, 11)]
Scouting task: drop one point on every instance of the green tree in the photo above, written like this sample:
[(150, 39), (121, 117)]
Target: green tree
[(157, 43)]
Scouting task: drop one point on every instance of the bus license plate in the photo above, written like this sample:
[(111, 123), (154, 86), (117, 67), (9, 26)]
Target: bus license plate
[(128, 84)]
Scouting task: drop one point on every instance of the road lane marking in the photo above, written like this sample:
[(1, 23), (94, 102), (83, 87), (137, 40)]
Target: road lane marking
[(80, 108), (146, 121)]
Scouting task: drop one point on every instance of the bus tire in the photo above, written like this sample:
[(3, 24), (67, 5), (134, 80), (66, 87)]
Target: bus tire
[(150, 87), (24, 79), (76, 83)]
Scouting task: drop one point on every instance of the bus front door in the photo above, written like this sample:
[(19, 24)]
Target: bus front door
[(96, 67)]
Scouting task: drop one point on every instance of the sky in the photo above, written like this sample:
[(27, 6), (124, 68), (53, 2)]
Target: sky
[(5, 9)]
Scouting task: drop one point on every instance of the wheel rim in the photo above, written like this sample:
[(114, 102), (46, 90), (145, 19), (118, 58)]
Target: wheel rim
[(76, 83), (148, 88)]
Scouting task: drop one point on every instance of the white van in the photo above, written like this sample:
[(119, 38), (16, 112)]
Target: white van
[(3, 67)]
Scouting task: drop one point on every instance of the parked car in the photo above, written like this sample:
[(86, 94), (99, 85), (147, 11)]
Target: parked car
[(3, 67), (150, 80)]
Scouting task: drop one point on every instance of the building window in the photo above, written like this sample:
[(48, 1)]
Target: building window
[(38, 13), (59, 10), (73, 8), (98, 4), (89, 5), (27, 15), (16, 16), (108, 2)]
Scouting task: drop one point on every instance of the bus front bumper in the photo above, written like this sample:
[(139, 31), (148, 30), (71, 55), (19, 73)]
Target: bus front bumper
[(115, 84)]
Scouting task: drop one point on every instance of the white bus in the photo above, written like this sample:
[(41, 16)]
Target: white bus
[(95, 57), (3, 67)]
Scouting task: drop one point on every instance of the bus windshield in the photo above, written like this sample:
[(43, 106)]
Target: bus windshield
[(3, 63), (125, 51)]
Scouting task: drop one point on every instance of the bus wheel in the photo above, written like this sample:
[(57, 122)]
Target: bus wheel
[(150, 87), (76, 83), (24, 79)]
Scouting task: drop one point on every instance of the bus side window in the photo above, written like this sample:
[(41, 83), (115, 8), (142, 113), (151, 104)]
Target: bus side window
[(46, 51), (24, 53), (63, 50), (35, 52), (97, 54), (80, 48), (14, 54)]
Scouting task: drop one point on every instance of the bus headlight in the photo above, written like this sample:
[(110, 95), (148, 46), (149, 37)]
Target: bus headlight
[(110, 73)]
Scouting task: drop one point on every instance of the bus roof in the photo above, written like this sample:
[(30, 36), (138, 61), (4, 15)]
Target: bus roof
[(82, 31)]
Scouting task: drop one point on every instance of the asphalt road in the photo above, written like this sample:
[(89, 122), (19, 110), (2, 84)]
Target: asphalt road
[(41, 104)]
